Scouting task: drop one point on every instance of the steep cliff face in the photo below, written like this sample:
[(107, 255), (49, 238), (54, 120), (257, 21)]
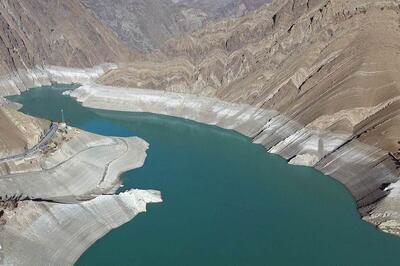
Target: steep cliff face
[(329, 68), (147, 24), (224, 8), (63, 33), (331, 65)]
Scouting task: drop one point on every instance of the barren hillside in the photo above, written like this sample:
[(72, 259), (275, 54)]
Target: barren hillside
[(62, 33), (331, 66), (146, 24)]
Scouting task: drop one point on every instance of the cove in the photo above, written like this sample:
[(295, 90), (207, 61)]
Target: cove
[(226, 200)]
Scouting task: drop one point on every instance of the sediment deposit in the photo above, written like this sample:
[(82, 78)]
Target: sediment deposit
[(21, 80), (59, 201), (45, 233)]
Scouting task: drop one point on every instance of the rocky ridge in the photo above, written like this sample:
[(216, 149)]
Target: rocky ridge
[(145, 25), (224, 8), (37, 35)]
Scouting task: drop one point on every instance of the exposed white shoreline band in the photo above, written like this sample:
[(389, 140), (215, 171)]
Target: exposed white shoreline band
[(68, 203), (80, 176), (360, 167), (42, 233), (22, 80)]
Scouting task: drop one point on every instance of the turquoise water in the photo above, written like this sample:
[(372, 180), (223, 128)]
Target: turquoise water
[(226, 201)]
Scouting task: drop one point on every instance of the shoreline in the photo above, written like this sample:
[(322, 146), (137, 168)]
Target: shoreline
[(61, 221), (266, 127), (56, 233), (23, 79), (48, 198), (361, 168)]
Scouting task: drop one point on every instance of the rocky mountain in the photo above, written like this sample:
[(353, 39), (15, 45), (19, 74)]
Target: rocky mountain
[(224, 8), (146, 24), (329, 68), (39, 33), (64, 33), (283, 57), (315, 81), (68, 181)]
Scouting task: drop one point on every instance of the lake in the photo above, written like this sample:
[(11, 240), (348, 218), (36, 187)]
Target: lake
[(226, 200)]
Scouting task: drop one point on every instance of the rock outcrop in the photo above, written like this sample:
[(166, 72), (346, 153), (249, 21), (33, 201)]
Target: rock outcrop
[(330, 69), (316, 81), (146, 24), (59, 201), (224, 8), (37, 34)]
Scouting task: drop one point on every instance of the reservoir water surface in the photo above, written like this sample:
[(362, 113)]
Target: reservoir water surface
[(226, 200)]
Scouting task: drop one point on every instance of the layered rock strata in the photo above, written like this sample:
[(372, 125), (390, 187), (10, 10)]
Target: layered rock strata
[(146, 24), (64, 33), (224, 8), (330, 69), (361, 168)]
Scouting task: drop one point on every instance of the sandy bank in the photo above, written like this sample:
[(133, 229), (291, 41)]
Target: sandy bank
[(361, 168)]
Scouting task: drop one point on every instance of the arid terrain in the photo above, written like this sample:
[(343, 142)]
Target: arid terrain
[(330, 66), (315, 81), (145, 25)]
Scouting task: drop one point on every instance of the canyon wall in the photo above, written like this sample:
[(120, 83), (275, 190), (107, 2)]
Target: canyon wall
[(61, 33), (329, 68), (146, 24), (316, 81), (224, 8), (40, 33)]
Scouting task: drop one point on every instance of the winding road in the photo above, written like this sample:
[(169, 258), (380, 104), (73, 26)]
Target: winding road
[(43, 142)]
